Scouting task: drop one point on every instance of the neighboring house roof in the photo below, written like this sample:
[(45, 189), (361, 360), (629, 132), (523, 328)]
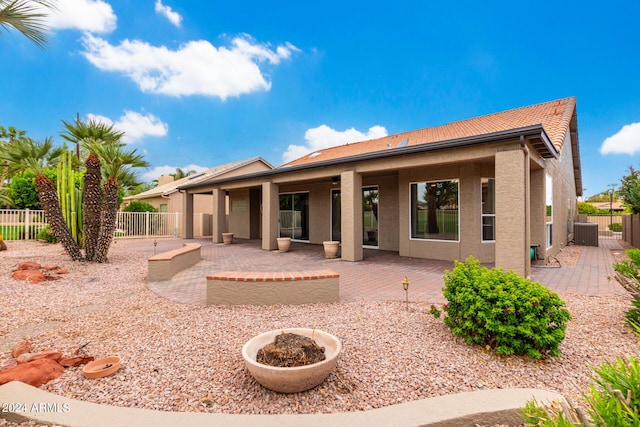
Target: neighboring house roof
[(215, 172), (554, 116), (616, 206)]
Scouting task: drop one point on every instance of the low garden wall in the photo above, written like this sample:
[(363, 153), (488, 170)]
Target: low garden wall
[(267, 288), (165, 265)]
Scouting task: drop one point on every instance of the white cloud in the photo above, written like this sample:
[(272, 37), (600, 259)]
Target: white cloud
[(169, 170), (135, 126), (196, 68), (324, 137), (625, 141), (95, 16), (174, 17)]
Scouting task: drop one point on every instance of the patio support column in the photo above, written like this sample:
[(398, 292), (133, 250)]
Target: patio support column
[(270, 211), (512, 211), (219, 225), (351, 222), (187, 210)]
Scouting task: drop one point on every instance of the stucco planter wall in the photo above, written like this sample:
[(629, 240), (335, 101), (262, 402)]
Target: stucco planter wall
[(296, 379)]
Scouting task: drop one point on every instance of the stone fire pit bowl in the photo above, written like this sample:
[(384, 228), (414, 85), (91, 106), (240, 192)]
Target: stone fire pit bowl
[(295, 379)]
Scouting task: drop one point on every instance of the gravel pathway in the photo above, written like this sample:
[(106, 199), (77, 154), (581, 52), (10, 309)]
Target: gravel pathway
[(187, 358)]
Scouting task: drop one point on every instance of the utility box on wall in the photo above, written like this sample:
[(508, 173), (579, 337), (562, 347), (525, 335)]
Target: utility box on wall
[(585, 234)]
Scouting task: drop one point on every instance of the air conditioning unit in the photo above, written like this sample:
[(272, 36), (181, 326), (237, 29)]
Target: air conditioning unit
[(585, 234)]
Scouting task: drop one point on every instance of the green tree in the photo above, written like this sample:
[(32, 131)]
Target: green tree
[(587, 208), (630, 190), (22, 191), (39, 157), (27, 16), (180, 173)]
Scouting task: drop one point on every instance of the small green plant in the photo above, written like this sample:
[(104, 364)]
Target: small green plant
[(553, 415), (613, 399), (616, 226), (46, 234), (503, 311), (435, 312), (633, 316), (615, 395)]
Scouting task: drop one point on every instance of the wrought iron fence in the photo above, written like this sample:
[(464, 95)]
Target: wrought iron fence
[(21, 224), (17, 224), (147, 224)]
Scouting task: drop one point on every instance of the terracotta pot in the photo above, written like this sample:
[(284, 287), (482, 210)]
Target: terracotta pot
[(227, 238), (331, 248), (101, 367), (284, 243), (296, 379)]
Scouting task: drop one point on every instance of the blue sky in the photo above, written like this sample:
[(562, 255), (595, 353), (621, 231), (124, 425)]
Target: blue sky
[(198, 83)]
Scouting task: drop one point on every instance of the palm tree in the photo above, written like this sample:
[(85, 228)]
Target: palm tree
[(84, 135), (7, 136), (116, 166), (27, 16), (180, 173), (40, 156)]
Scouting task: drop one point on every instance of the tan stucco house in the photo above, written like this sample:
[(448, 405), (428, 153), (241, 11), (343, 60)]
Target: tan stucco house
[(167, 198), (490, 186)]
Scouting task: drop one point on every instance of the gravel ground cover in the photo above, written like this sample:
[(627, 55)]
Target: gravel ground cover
[(187, 358)]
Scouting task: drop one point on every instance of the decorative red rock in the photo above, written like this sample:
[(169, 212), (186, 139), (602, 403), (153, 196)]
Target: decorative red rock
[(33, 276), (33, 373), (62, 271), (50, 267), (22, 348), (46, 354), (7, 363), (75, 361), (28, 265)]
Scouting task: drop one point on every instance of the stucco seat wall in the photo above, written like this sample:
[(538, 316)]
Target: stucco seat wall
[(165, 265), (267, 288)]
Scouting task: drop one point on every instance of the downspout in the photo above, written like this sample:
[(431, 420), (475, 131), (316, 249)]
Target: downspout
[(527, 205)]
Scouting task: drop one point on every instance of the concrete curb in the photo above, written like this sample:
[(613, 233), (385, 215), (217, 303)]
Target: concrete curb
[(21, 402)]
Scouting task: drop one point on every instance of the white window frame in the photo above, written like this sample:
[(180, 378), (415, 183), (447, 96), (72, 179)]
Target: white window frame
[(485, 215), (548, 218)]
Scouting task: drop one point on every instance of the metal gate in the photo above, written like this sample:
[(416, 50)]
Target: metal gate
[(609, 226)]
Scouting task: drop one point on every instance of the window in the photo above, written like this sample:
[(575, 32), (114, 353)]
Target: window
[(163, 208), (549, 211), (488, 209), (370, 216), (294, 216), (434, 210)]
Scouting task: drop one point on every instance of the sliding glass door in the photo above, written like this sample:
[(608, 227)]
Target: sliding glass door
[(294, 216)]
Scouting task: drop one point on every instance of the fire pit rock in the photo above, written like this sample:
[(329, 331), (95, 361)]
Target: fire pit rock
[(292, 379)]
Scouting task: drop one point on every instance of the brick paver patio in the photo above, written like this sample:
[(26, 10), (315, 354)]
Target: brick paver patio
[(377, 278)]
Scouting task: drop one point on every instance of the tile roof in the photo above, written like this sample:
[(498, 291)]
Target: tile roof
[(214, 172), (554, 116)]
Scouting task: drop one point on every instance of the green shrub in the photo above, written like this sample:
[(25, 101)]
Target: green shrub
[(613, 399), (138, 206), (46, 234), (630, 267), (503, 311), (616, 226), (586, 208)]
